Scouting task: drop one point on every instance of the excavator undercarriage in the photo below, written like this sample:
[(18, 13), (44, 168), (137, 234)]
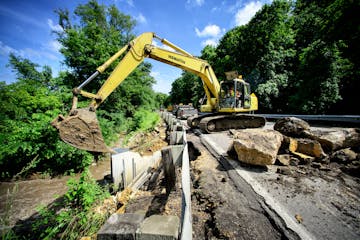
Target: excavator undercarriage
[(220, 122)]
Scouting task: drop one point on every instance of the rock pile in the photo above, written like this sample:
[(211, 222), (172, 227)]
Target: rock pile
[(293, 143)]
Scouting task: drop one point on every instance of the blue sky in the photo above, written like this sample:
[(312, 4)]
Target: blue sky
[(26, 28)]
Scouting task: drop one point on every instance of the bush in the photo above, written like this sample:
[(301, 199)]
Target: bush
[(36, 139), (145, 120)]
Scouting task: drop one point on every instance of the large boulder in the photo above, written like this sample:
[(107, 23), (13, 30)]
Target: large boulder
[(257, 146), (337, 139), (292, 126), (306, 146)]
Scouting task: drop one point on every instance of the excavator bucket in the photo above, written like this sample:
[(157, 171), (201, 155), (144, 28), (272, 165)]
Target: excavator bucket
[(81, 130)]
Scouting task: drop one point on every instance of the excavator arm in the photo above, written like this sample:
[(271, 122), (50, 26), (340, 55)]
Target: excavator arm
[(81, 128)]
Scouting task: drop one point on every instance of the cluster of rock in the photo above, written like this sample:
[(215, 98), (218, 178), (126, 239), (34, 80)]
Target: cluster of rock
[(293, 143)]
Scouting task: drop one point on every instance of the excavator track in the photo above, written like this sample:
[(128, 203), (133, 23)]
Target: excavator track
[(219, 123)]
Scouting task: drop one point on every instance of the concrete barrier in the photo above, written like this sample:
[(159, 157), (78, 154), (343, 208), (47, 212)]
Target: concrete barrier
[(171, 157), (127, 166), (120, 226), (159, 227), (175, 155), (135, 226), (176, 137)]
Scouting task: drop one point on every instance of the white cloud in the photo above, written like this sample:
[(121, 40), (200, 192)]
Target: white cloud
[(54, 46), (130, 2), (209, 31), (37, 55), (211, 42), (163, 82), (164, 75), (195, 2), (212, 32), (214, 9), (141, 18), (54, 27), (29, 53), (154, 74), (244, 14)]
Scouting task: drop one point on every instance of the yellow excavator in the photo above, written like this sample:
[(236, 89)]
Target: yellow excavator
[(226, 102)]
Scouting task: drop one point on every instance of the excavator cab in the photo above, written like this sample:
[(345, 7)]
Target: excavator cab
[(234, 94)]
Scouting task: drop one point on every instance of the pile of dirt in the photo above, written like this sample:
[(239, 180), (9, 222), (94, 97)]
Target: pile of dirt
[(149, 142)]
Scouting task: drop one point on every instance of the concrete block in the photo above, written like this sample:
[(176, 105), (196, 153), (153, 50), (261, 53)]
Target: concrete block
[(177, 154), (169, 168), (158, 227), (174, 125), (120, 227), (123, 168), (176, 137)]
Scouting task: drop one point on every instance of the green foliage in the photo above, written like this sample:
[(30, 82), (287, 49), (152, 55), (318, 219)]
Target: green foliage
[(83, 193), (318, 92), (145, 120), (101, 33), (327, 70), (184, 88), (112, 124), (30, 104)]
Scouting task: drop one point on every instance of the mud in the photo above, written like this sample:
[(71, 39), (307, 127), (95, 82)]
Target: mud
[(153, 199)]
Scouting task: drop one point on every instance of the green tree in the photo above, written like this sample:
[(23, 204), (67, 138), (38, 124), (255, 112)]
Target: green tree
[(182, 88), (227, 57), (326, 77), (29, 142)]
